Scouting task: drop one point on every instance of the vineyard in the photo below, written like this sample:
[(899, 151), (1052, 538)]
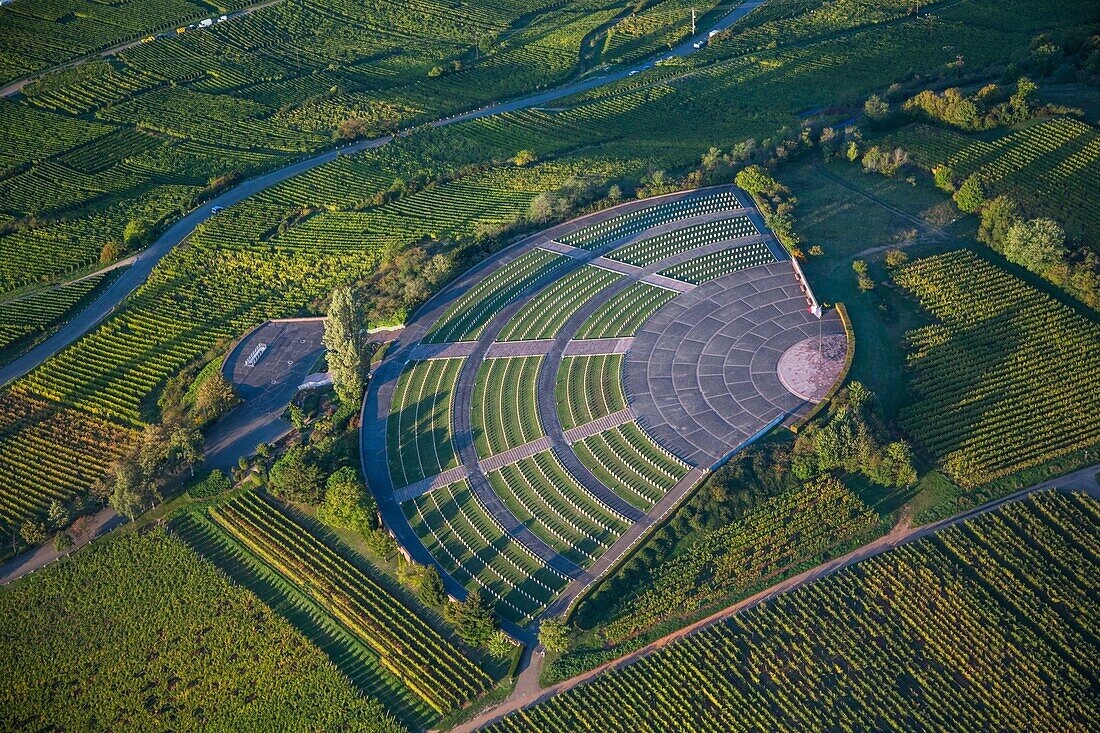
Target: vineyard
[(929, 636), (98, 626), (50, 453), (407, 647), (30, 315), (755, 551), (1051, 167), (1005, 379), (418, 435)]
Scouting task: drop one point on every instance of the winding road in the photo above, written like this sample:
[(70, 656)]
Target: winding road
[(144, 263)]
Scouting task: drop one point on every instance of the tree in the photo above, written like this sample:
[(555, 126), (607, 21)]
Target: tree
[(755, 180), (554, 635), (431, 591), (876, 108), (524, 157), (500, 645), (216, 396), (58, 515), (186, 446), (473, 620), (1037, 244), (347, 504), (863, 279), (33, 533), (344, 339), (896, 257), (62, 541), (853, 151), (135, 233), (353, 128), (615, 193), (111, 251), (295, 477), (969, 197), (129, 490), (999, 215), (944, 177)]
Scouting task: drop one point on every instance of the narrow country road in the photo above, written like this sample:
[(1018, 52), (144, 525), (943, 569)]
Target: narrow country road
[(148, 258), (527, 691), (18, 84), (94, 526)]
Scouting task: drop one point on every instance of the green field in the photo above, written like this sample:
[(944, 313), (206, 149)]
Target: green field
[(140, 633), (623, 314), (474, 550), (991, 623), (551, 503), (627, 461), (716, 264), (505, 405), (684, 239), (588, 388), (546, 313), (418, 434), (468, 316)]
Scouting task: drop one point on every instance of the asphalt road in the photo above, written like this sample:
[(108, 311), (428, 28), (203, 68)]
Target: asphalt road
[(266, 388), (146, 260)]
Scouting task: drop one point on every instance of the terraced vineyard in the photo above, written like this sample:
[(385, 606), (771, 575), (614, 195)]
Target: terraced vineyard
[(1050, 167), (468, 316), (1006, 378), (409, 648), (886, 640), (464, 538), (505, 405), (716, 264), (623, 314), (33, 314), (50, 453), (653, 249), (756, 550), (549, 501), (548, 311), (418, 436), (588, 388), (631, 464)]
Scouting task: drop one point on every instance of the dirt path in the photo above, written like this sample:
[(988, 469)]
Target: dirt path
[(527, 693)]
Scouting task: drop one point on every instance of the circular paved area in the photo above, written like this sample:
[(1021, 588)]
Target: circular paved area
[(809, 368), (702, 373)]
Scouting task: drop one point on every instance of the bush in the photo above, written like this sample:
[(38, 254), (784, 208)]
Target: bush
[(970, 197), (212, 485), (62, 541)]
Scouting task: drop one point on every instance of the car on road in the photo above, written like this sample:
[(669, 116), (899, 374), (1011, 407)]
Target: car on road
[(633, 72), (216, 209)]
